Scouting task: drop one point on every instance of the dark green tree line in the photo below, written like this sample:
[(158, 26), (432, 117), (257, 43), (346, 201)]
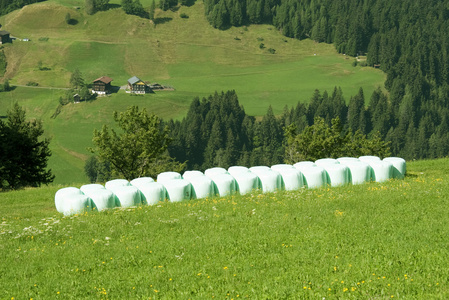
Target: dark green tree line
[(218, 132)]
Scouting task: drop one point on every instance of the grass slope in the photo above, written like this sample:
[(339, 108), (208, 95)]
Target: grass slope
[(372, 241), (185, 53)]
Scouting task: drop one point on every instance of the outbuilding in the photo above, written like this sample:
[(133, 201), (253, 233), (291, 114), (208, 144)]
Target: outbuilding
[(4, 37)]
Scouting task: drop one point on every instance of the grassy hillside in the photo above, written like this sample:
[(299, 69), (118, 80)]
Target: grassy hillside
[(372, 241), (187, 54)]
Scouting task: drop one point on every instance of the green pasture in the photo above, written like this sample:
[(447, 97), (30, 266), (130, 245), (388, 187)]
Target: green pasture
[(188, 54), (371, 241)]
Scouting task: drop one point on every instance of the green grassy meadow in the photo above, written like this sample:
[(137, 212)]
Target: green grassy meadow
[(371, 241), (188, 54)]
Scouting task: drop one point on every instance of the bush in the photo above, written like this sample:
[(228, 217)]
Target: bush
[(3, 63), (237, 38), (260, 39), (262, 45), (32, 83), (272, 51), (184, 16), (43, 39), (354, 63)]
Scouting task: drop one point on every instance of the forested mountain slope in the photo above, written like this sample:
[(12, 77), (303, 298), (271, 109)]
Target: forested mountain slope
[(407, 39)]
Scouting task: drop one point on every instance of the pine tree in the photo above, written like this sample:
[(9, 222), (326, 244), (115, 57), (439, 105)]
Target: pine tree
[(315, 102), (89, 7), (24, 154), (214, 143), (152, 10), (356, 111)]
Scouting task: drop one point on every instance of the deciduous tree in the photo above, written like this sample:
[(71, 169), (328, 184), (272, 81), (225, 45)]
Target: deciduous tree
[(138, 148)]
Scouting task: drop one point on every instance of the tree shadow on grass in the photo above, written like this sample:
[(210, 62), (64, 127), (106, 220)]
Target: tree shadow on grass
[(113, 5), (189, 3), (158, 21), (114, 89)]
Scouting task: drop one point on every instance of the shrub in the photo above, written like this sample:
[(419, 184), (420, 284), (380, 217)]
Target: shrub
[(272, 51), (262, 45), (32, 83), (184, 16), (260, 39), (43, 39), (237, 38)]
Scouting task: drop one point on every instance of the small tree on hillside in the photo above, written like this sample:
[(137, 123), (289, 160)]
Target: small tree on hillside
[(68, 18), (76, 80), (89, 6), (139, 150), (152, 10), (23, 153)]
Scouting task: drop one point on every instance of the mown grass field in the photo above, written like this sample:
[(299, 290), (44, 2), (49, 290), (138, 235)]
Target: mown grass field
[(188, 54), (372, 241)]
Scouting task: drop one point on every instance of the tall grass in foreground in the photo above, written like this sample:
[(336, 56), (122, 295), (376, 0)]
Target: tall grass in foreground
[(373, 241)]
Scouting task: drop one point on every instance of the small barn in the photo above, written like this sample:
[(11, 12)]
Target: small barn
[(102, 85), (137, 86), (156, 86), (4, 37)]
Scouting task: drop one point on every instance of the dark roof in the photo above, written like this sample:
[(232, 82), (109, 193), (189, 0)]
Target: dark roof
[(134, 80), (3, 32), (104, 79)]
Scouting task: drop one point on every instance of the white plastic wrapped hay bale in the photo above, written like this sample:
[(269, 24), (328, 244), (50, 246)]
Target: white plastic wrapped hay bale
[(380, 170), (399, 166), (151, 192), (141, 181), (281, 166), (246, 181), (291, 177), (359, 171), (257, 169), (71, 200), (166, 176), (116, 182), (178, 189), (237, 169), (304, 164), (191, 174), (215, 171), (102, 198), (337, 174), (344, 160), (126, 196), (270, 180), (368, 158), (313, 176), (202, 186), (326, 161), (224, 184), (92, 186)]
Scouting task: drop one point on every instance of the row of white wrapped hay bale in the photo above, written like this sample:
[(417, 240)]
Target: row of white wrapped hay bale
[(222, 182)]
